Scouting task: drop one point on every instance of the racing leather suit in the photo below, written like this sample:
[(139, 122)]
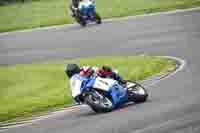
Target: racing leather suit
[(74, 7), (88, 71)]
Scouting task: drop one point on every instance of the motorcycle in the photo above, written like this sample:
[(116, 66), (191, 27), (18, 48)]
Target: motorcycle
[(105, 94), (87, 13)]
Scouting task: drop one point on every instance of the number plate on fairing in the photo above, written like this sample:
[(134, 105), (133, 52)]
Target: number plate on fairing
[(129, 85), (104, 83)]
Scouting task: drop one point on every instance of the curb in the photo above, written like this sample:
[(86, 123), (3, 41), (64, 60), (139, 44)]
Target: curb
[(147, 82), (151, 81), (180, 64), (45, 115)]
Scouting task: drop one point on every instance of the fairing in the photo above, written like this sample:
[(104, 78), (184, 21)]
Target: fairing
[(118, 93)]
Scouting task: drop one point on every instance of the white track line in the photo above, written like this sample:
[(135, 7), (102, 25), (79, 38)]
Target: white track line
[(67, 110), (155, 14), (107, 20), (180, 67), (39, 118)]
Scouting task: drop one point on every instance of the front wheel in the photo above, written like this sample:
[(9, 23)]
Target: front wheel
[(80, 19), (98, 102), (137, 93)]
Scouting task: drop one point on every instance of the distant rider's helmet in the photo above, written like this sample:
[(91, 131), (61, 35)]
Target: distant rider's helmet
[(72, 69)]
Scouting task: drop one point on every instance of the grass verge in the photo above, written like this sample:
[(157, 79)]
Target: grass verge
[(40, 13), (31, 88)]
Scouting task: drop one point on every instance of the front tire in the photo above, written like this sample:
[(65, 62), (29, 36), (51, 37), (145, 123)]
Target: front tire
[(80, 20), (83, 23), (99, 105)]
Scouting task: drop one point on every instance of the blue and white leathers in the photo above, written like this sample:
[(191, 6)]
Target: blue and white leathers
[(117, 92), (87, 9)]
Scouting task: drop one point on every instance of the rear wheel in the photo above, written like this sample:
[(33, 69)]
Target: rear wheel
[(137, 93), (98, 18), (98, 102)]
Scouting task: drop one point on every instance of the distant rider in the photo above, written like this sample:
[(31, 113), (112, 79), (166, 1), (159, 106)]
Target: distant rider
[(74, 6)]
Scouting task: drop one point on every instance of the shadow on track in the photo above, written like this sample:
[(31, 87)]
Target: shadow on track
[(122, 108)]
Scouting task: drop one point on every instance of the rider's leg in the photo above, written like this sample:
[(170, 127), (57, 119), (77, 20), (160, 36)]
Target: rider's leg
[(71, 11)]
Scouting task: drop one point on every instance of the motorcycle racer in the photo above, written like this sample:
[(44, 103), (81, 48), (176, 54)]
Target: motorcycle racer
[(73, 7), (87, 71), (79, 75)]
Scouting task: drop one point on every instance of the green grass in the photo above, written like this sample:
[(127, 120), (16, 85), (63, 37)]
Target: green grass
[(41, 13), (26, 89)]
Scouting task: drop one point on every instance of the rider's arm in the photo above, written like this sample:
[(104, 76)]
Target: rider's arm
[(106, 71), (117, 77), (92, 1), (87, 70), (76, 83)]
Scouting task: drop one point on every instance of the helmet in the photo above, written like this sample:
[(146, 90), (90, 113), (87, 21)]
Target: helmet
[(107, 68), (72, 69)]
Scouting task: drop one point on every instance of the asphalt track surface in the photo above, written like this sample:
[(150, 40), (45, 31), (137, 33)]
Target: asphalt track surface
[(174, 103)]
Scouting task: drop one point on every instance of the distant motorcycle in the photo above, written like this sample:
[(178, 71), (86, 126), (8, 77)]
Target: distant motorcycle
[(105, 94), (87, 13)]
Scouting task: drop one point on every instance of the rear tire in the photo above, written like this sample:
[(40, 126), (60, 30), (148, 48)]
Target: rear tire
[(98, 18), (135, 95)]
